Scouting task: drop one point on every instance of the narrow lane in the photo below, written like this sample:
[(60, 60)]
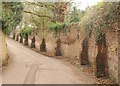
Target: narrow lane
[(29, 67)]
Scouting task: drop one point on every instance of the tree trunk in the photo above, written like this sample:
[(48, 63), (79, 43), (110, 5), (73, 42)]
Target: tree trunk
[(59, 11), (43, 46), (33, 42), (17, 38), (84, 54), (101, 58), (21, 39), (58, 48), (13, 36), (26, 39), (4, 49)]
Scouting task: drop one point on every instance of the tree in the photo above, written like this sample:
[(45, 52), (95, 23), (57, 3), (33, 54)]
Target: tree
[(17, 38), (43, 46), (58, 25), (39, 17), (25, 32), (21, 38), (84, 58), (33, 42), (74, 15), (47, 15), (11, 16)]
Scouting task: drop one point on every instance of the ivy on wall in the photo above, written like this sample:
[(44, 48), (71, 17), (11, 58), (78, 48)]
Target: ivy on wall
[(99, 18)]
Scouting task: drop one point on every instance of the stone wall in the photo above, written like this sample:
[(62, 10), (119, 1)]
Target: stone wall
[(71, 48), (112, 42), (0, 48), (73, 51), (50, 43), (119, 44), (92, 53)]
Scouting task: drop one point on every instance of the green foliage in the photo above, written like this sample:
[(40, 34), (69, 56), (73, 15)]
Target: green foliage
[(55, 12), (26, 30), (99, 17), (75, 15), (40, 23), (11, 15), (0, 11), (88, 29), (75, 20), (58, 26), (100, 5), (0, 24)]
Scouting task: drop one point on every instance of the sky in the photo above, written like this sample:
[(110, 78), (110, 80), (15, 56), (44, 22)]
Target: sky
[(83, 4)]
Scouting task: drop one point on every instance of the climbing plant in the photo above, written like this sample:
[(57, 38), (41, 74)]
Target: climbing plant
[(100, 23), (100, 19)]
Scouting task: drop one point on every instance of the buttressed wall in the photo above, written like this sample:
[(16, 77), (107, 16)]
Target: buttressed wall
[(71, 47)]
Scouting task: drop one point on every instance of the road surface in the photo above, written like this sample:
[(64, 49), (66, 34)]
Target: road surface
[(29, 67)]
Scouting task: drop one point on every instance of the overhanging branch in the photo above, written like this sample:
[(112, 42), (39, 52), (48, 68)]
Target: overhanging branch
[(37, 14)]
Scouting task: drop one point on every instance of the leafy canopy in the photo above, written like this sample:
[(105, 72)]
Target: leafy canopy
[(58, 26), (26, 30), (75, 15), (11, 15)]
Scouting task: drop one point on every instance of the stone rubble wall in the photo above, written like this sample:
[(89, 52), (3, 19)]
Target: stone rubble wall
[(73, 50), (112, 42), (0, 48)]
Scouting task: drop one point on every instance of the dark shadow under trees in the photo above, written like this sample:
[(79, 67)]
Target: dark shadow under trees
[(58, 48), (17, 38), (43, 46), (101, 58), (26, 39), (84, 54), (33, 42), (21, 39)]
